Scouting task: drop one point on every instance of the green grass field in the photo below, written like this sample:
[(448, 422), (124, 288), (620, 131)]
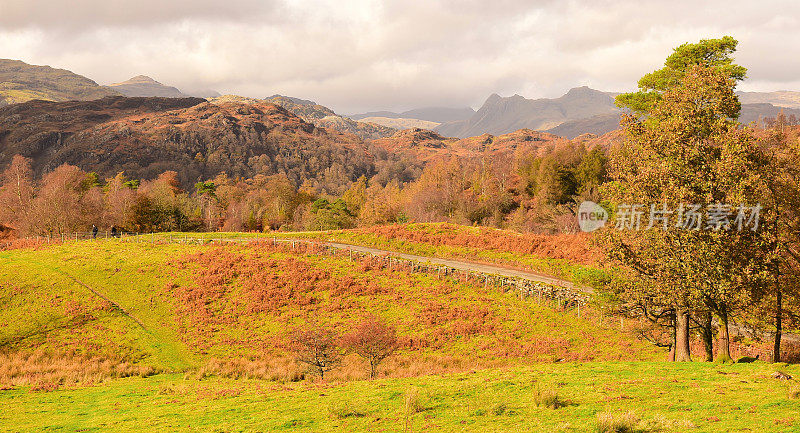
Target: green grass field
[(121, 336), (664, 397)]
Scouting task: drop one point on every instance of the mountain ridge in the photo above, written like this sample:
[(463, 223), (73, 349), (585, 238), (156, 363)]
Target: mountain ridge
[(780, 98), (500, 115)]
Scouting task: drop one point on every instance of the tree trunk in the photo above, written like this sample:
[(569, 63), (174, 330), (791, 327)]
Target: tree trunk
[(672, 345), (724, 354), (776, 350), (682, 352), (707, 332)]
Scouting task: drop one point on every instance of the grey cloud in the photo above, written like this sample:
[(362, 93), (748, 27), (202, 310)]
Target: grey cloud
[(75, 15), (363, 54)]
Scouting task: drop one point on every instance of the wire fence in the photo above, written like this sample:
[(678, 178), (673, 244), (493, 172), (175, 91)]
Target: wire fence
[(160, 237)]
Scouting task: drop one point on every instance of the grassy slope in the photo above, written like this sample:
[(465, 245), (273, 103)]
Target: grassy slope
[(709, 397), (47, 308), (42, 302)]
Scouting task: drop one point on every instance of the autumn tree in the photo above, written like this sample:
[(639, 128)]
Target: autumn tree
[(317, 347), (162, 205), (374, 340), (383, 204), (207, 193), (781, 225), (119, 198), (58, 207), (16, 193), (682, 148)]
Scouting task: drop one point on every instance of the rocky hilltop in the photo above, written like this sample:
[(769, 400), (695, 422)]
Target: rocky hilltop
[(146, 136), (319, 115)]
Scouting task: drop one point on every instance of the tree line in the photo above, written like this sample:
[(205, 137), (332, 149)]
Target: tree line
[(533, 191)]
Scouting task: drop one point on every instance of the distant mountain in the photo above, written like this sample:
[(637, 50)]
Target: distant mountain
[(500, 115), (319, 115), (583, 110), (430, 114), (146, 136), (297, 101), (20, 82), (144, 86), (401, 123), (782, 98)]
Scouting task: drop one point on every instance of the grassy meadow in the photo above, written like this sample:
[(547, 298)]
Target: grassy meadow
[(563, 397), (109, 335)]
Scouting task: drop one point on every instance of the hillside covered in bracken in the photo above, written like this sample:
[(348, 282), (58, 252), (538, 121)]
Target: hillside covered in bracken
[(145, 137)]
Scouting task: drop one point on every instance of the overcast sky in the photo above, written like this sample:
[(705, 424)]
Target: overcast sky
[(366, 55)]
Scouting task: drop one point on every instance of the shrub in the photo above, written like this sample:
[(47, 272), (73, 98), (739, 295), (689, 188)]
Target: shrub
[(43, 370), (791, 353), (345, 409), (628, 422), (548, 398), (609, 422), (499, 408), (414, 402), (794, 392)]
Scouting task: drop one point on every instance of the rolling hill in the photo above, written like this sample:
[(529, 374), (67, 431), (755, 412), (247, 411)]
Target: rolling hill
[(21, 82), (217, 306), (135, 335), (425, 145)]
